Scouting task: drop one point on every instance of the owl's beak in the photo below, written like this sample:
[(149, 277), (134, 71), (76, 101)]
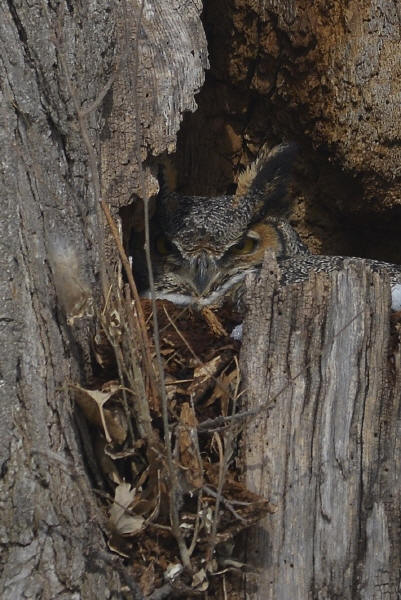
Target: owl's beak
[(204, 270)]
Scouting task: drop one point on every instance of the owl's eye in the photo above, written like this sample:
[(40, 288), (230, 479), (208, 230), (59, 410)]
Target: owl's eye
[(246, 246), (163, 245)]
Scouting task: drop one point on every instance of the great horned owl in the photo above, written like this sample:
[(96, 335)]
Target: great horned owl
[(202, 248)]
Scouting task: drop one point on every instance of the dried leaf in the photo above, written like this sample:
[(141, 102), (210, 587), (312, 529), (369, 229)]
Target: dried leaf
[(208, 369), (121, 522), (120, 545), (147, 502), (103, 350), (204, 377), (147, 579), (173, 570), (112, 420), (222, 390), (106, 464), (199, 581)]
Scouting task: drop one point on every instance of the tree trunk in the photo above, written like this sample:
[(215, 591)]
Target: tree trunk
[(56, 58), (320, 359), (132, 70), (48, 517)]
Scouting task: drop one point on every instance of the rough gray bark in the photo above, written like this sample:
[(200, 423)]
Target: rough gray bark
[(51, 235), (50, 530), (150, 94), (326, 447), (47, 207)]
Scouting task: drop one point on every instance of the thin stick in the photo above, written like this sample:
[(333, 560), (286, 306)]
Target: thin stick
[(226, 503), (222, 476), (172, 472), (195, 441), (134, 291)]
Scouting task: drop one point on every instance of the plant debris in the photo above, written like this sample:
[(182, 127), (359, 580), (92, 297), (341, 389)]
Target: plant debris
[(202, 383)]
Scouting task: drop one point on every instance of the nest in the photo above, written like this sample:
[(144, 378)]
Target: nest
[(166, 444)]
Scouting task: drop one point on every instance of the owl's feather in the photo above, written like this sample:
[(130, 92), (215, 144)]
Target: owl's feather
[(203, 248), (265, 182)]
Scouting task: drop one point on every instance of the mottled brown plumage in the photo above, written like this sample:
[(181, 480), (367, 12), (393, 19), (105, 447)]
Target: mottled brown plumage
[(202, 248)]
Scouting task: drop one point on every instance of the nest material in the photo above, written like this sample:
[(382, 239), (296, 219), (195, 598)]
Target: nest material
[(124, 408)]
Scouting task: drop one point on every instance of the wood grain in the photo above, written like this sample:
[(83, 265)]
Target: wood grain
[(326, 450)]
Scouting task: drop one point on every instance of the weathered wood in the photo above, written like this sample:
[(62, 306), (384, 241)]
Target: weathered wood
[(52, 236), (47, 211), (51, 541), (159, 77), (325, 449)]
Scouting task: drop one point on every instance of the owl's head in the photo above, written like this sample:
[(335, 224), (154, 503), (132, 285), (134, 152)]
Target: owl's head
[(202, 248)]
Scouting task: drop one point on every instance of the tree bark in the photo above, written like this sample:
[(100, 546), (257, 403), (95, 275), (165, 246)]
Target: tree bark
[(162, 70), (57, 58), (48, 519), (323, 74), (135, 69), (325, 449)]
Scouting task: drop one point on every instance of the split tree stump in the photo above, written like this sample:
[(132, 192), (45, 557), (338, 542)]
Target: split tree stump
[(326, 449)]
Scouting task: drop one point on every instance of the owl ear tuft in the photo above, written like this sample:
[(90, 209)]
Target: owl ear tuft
[(265, 181)]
